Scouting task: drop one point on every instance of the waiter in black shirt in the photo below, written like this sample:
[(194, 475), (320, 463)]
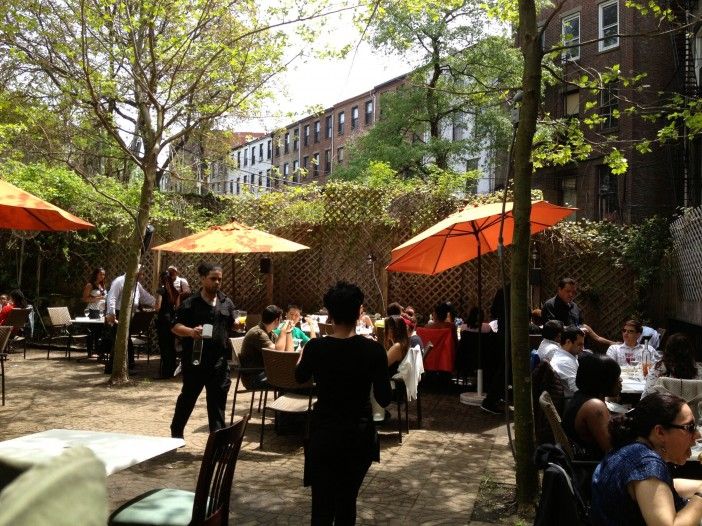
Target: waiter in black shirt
[(207, 315), (562, 307)]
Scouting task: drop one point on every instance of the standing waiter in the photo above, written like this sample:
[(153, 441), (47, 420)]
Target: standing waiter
[(207, 316)]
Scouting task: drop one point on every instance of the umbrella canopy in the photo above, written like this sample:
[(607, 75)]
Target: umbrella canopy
[(20, 210), (232, 238), (466, 235)]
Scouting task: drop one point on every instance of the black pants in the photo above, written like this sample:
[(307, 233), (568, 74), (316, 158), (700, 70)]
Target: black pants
[(216, 381), (166, 346), (496, 381), (334, 492)]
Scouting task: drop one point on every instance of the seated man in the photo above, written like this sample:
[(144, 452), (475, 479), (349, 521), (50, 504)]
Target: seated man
[(262, 337), (565, 360), (293, 315), (630, 350), (551, 333), (444, 316)]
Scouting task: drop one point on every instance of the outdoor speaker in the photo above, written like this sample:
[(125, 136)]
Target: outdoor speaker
[(535, 276), (148, 238), (264, 265)]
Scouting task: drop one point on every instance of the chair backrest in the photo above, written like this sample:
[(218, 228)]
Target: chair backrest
[(18, 318), (325, 328), (280, 369), (688, 390), (141, 322), (554, 420), (443, 356), (543, 378), (252, 320), (236, 344), (59, 316), (534, 360), (5, 332), (380, 335), (214, 483)]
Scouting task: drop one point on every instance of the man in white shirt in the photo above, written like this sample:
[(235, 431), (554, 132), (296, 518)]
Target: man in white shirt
[(180, 284), (112, 305), (630, 350), (565, 360), (551, 333)]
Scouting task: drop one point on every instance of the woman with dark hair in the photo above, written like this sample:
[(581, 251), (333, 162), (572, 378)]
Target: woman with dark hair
[(396, 341), (633, 484), (475, 321), (678, 362), (94, 293), (586, 419), (17, 301), (167, 301), (343, 440)]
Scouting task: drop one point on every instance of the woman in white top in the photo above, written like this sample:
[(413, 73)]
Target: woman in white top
[(678, 362), (94, 293)]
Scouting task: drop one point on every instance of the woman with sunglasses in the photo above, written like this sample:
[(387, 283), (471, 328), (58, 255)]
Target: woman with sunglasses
[(633, 484)]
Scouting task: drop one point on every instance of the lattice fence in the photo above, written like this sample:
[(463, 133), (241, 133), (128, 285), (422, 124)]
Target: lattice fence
[(687, 240)]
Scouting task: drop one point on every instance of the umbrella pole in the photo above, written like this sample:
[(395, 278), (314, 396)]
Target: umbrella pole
[(480, 327)]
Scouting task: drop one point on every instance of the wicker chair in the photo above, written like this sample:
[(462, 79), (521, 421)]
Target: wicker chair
[(325, 329), (252, 320), (61, 327), (238, 386), (280, 371), (5, 332), (688, 390)]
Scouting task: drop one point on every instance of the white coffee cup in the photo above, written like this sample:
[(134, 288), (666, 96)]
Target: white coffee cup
[(207, 330)]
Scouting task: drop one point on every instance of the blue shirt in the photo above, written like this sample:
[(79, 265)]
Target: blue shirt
[(611, 503)]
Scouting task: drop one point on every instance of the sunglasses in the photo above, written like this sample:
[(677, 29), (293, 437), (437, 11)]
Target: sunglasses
[(690, 427)]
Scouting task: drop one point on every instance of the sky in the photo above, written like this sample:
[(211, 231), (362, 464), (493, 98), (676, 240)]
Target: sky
[(325, 82)]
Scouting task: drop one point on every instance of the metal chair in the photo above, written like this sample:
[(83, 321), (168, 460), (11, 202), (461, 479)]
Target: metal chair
[(280, 371), (18, 320), (236, 363), (61, 327), (140, 332), (208, 505), (5, 332)]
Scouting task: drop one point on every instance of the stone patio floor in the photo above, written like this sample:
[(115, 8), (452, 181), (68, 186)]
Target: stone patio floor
[(432, 477)]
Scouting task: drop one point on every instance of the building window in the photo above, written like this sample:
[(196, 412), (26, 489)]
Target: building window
[(246, 181), (268, 178), (238, 187), (305, 162), (609, 25), (340, 155), (354, 117), (569, 194), (260, 152), (268, 150), (285, 172), (608, 193), (287, 142), (369, 112), (296, 139), (571, 104), (327, 161), (316, 131), (260, 179), (277, 147), (253, 155), (296, 171), (306, 135), (231, 187), (328, 124), (315, 165), (609, 111), (246, 158), (570, 30), (341, 120), (238, 159)]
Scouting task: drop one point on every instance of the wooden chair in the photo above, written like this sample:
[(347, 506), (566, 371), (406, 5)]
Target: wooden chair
[(236, 364), (400, 396), (18, 320), (554, 420), (5, 332), (280, 371), (208, 505), (60, 327), (140, 332)]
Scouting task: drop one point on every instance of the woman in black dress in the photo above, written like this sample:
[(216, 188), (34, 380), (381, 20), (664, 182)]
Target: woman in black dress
[(167, 301), (343, 440)]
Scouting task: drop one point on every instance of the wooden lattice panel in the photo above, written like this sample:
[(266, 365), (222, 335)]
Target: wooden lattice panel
[(686, 232)]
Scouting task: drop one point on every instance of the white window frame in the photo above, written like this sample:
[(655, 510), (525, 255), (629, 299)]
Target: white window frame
[(600, 29), (574, 52)]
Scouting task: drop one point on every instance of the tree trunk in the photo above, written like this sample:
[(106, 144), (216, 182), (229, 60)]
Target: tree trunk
[(440, 154), (120, 372), (527, 480)]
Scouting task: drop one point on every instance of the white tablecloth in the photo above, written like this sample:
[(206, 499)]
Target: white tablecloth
[(117, 451)]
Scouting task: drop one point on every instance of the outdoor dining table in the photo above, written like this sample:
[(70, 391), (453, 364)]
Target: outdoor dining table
[(117, 451)]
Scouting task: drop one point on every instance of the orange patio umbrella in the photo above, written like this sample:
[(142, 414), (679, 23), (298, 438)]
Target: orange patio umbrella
[(232, 238), (20, 210), (466, 235)]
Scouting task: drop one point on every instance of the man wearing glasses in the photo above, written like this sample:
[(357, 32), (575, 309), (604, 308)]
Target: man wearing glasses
[(630, 351)]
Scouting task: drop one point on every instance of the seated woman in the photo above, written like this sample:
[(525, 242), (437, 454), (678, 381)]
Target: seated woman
[(633, 484), (365, 320), (396, 341), (443, 316), (586, 419), (17, 301), (678, 362)]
